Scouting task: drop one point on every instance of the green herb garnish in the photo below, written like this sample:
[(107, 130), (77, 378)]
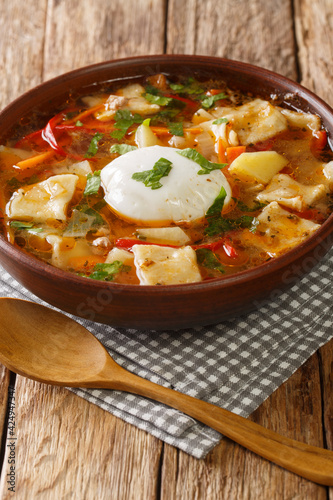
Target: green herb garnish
[(207, 102), (93, 147), (157, 99), (190, 87), (79, 124), (220, 120), (219, 225), (176, 128), (151, 178), (26, 226), (107, 272), (93, 183), (244, 208), (124, 120), (207, 258), (207, 166), (216, 207), (122, 148)]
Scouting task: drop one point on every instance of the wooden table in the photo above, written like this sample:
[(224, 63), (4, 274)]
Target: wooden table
[(66, 448)]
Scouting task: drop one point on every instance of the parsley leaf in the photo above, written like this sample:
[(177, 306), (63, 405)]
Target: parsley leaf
[(122, 148), (176, 128), (218, 224), (157, 99), (124, 120), (190, 87), (28, 226), (79, 124), (207, 166), (207, 102), (107, 272), (216, 207), (151, 178), (93, 183), (207, 258), (220, 120), (244, 208), (93, 147)]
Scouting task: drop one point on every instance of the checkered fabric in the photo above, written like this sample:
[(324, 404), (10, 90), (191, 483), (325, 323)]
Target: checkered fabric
[(236, 364)]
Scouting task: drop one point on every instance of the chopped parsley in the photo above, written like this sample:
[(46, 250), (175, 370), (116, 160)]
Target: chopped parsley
[(79, 124), (107, 272), (207, 102), (244, 208), (27, 226), (124, 120), (158, 99), (93, 147), (208, 259), (219, 225), (220, 120), (207, 166), (216, 207), (93, 183), (190, 87), (122, 148), (176, 128), (151, 178)]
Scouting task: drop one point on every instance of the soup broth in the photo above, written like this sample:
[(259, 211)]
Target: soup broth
[(165, 181)]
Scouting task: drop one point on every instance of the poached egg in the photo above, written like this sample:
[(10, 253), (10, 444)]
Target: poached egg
[(185, 196)]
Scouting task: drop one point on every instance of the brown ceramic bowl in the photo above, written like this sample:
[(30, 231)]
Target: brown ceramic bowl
[(173, 306)]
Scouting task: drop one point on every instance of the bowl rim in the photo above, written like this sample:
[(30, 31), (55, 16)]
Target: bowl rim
[(273, 265)]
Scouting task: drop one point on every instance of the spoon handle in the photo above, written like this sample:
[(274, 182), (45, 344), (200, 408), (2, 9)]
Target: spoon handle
[(310, 462)]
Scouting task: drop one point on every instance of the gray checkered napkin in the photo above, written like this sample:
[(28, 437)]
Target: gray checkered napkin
[(236, 364)]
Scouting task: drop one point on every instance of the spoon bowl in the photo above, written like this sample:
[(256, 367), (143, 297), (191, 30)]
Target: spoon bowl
[(44, 345)]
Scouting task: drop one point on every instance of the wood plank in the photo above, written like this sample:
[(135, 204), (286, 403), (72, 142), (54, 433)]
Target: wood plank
[(4, 385), (326, 371), (21, 48), (69, 448), (256, 32), (314, 24), (90, 32), (264, 36), (231, 472)]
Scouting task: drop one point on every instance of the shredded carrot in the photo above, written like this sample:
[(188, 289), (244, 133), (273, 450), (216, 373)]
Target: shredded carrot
[(85, 263), (34, 160), (234, 152), (86, 113), (221, 151), (166, 131)]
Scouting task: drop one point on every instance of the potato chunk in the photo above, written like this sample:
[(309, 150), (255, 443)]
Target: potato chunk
[(291, 193), (119, 254), (44, 200), (157, 265), (282, 230), (259, 167)]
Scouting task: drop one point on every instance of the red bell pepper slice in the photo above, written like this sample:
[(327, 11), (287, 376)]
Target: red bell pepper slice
[(319, 140), (230, 251), (187, 101), (215, 245), (49, 137), (128, 243)]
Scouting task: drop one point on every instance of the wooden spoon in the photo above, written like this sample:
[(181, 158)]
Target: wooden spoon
[(49, 347)]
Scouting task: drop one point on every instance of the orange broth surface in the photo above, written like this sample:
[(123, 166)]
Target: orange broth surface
[(179, 114)]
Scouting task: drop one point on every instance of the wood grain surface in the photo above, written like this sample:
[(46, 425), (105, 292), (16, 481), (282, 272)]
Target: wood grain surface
[(68, 448)]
